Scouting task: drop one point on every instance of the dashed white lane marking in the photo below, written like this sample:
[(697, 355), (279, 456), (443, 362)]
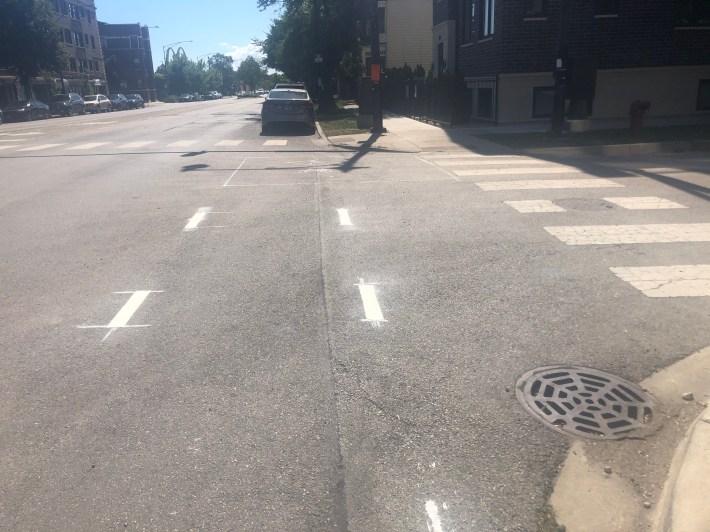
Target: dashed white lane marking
[(500, 161), (344, 217), (668, 281), (30, 133), (229, 143), (540, 184), (522, 170), (433, 521), (182, 144), (200, 215), (276, 142), (373, 312), (581, 235), (41, 147), (13, 140), (529, 206), (89, 146), (120, 321), (645, 203), (138, 144), (8, 147)]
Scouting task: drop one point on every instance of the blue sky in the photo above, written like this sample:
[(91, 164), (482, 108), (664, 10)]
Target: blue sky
[(224, 26)]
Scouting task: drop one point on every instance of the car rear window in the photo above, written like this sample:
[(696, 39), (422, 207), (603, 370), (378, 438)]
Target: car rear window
[(288, 95), (90, 98)]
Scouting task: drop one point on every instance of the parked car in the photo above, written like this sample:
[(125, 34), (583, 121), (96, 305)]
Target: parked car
[(295, 85), (197, 97), (185, 98), (241, 94), (0, 116), (26, 110), (135, 101), (118, 102), (288, 105), (97, 103), (67, 104)]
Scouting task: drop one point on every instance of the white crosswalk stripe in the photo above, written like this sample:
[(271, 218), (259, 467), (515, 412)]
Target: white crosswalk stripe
[(581, 235), (523, 170), (276, 142), (89, 146), (229, 143), (182, 144), (541, 184), (519, 161), (137, 144), (8, 147), (41, 147), (668, 281), (645, 203)]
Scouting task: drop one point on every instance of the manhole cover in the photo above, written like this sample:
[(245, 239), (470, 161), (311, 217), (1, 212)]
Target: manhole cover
[(586, 402)]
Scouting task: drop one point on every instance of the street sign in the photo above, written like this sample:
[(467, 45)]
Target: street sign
[(376, 72)]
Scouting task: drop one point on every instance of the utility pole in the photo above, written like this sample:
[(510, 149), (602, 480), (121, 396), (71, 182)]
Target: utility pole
[(561, 69), (376, 70)]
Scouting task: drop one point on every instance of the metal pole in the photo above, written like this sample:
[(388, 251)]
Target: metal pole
[(376, 59), (558, 108)]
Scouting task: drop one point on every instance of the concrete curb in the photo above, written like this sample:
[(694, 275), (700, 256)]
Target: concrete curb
[(683, 505), (658, 483)]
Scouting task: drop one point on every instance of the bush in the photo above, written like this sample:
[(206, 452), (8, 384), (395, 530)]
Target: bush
[(173, 98)]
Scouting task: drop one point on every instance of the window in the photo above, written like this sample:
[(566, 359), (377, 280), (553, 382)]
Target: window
[(607, 7), (692, 14), (86, 39), (469, 20), (93, 43), (703, 95), (543, 98), (72, 64), (534, 8), (134, 40), (64, 7), (68, 37), (78, 40), (61, 35), (88, 16), (73, 11), (96, 65), (81, 66), (487, 18)]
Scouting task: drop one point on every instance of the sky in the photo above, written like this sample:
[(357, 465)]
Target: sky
[(224, 26)]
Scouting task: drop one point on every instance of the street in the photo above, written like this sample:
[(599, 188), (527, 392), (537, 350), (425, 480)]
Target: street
[(207, 328)]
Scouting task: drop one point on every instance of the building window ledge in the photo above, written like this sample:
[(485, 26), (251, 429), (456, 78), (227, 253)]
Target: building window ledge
[(467, 44), (609, 15), (683, 28), (533, 19), (485, 39)]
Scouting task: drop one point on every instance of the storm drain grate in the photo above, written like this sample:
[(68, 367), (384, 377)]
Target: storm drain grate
[(586, 402)]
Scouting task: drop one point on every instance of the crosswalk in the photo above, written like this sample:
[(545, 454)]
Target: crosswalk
[(22, 145), (502, 174)]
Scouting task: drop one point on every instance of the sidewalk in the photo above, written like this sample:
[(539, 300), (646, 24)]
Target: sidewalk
[(409, 135)]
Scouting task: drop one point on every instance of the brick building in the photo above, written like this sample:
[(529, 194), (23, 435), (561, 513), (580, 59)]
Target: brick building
[(129, 63), (79, 35), (506, 50)]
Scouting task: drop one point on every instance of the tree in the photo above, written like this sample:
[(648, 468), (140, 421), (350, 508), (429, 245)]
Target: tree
[(222, 65), (250, 72), (309, 40), (29, 43)]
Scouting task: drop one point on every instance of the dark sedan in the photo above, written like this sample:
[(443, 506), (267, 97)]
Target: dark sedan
[(288, 105), (67, 104), (135, 101), (26, 110), (118, 102)]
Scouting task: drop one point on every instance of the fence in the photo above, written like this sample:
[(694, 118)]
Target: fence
[(441, 100)]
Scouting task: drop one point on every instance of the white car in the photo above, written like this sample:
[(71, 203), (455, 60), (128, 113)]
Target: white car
[(97, 103)]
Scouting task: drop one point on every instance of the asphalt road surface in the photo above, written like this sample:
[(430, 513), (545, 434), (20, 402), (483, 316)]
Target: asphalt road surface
[(207, 328)]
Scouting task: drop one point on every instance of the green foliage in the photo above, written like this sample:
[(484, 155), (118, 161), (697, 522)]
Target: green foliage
[(29, 43), (250, 73), (185, 75), (305, 29)]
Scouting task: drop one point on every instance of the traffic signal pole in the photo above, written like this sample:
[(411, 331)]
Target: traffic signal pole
[(561, 69)]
